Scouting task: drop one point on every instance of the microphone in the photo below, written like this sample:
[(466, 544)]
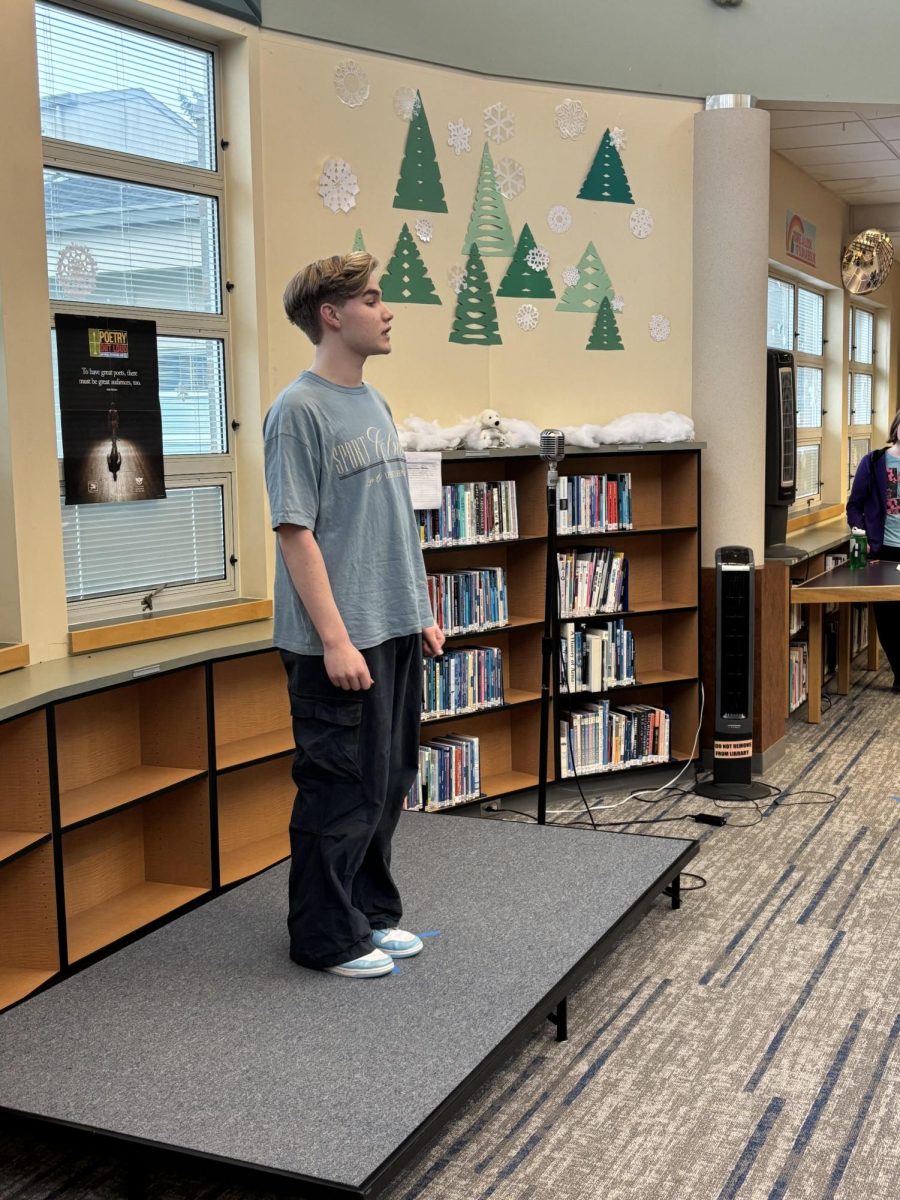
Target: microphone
[(553, 445)]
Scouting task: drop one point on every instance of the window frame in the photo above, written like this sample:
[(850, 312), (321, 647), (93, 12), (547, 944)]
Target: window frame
[(179, 470), (870, 370), (807, 435)]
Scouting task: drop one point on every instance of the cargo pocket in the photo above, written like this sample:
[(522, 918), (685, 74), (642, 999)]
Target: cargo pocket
[(327, 735)]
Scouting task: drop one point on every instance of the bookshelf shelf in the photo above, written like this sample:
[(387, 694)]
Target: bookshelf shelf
[(514, 698), (254, 806), (29, 942), (260, 746), (16, 842), (94, 800)]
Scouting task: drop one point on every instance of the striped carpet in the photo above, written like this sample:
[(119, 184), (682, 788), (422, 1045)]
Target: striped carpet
[(744, 1048)]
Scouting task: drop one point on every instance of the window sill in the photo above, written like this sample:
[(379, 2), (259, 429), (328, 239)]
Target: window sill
[(104, 635), (816, 516), (13, 655)]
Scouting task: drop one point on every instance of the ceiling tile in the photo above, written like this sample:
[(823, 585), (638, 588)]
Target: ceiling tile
[(859, 170), (792, 118), (821, 156), (887, 128), (842, 133)]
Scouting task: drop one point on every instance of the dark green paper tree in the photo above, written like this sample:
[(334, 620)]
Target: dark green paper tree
[(406, 281), (605, 334), (522, 280), (358, 243), (489, 225), (475, 322), (419, 185), (606, 179), (593, 284)]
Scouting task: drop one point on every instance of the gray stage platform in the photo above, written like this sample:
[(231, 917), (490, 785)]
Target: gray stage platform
[(203, 1037)]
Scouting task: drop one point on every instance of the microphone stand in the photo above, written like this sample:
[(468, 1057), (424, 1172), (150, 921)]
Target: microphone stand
[(548, 654)]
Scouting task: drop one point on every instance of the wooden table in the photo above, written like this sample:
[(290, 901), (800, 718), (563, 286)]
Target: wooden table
[(876, 581)]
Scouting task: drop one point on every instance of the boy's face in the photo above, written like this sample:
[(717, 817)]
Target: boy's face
[(365, 322)]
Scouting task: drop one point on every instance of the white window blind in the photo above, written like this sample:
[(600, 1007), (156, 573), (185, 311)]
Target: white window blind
[(860, 398), (780, 315), (809, 397), (810, 310), (859, 448), (113, 548), (119, 243), (191, 396), (862, 336), (118, 88), (808, 471)]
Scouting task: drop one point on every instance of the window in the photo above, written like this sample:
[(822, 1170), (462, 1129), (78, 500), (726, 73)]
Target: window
[(133, 195), (796, 322), (861, 384)]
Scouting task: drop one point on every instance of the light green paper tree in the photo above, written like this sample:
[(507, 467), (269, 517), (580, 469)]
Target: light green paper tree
[(605, 334), (406, 280), (606, 179), (475, 322), (489, 226), (358, 243), (419, 185), (522, 280), (593, 284)]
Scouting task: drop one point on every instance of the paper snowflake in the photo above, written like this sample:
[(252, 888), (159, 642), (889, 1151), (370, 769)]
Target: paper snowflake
[(499, 123), (406, 103), (351, 83), (76, 271), (559, 218), (510, 176), (527, 317), (641, 223), (457, 279), (538, 258), (338, 186), (617, 303), (571, 119), (424, 229), (571, 275), (458, 141), (660, 327), (617, 137)]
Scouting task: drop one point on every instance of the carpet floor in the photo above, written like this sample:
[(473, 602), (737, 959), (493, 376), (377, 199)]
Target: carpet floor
[(744, 1047)]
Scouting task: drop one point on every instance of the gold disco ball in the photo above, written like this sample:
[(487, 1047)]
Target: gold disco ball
[(866, 261)]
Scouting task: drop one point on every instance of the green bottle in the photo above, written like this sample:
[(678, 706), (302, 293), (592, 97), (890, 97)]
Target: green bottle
[(858, 549)]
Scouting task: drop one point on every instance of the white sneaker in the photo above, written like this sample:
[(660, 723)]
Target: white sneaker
[(374, 963), (399, 943)]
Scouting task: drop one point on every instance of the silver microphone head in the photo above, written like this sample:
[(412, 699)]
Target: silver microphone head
[(553, 445)]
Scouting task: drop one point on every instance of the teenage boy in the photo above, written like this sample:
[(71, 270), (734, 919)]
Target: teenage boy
[(352, 621)]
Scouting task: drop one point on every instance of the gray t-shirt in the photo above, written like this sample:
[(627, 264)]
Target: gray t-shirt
[(334, 464)]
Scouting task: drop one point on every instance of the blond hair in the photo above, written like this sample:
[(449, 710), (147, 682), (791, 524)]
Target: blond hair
[(325, 281)]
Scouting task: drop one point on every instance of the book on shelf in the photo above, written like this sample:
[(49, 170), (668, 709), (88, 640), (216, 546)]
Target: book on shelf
[(449, 773), (469, 601), (593, 503), (798, 674), (462, 680), (595, 660), (796, 619), (597, 737), (592, 580), (470, 513), (859, 629)]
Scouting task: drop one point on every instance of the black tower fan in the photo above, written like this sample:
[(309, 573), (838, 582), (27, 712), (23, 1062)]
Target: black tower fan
[(733, 748), (781, 448)]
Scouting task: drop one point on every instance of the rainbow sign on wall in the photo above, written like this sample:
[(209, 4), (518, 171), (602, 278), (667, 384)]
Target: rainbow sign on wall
[(800, 239)]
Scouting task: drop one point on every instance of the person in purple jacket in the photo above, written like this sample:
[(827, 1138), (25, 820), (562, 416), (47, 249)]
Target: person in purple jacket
[(874, 505)]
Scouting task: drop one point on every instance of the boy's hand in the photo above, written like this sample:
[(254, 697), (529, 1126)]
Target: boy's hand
[(346, 667), (433, 640)]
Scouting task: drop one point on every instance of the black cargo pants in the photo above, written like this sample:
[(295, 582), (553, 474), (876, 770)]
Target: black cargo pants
[(357, 757)]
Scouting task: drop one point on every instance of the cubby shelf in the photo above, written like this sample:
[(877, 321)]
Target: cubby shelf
[(15, 842), (253, 857), (93, 800), (271, 744), (106, 923), (513, 698), (647, 679)]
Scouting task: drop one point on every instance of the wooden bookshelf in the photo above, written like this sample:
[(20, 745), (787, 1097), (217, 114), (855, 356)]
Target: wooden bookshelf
[(24, 784), (254, 805), (252, 710), (127, 870), (29, 942)]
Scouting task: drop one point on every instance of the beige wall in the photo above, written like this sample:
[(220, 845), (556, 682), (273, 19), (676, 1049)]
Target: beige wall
[(540, 375)]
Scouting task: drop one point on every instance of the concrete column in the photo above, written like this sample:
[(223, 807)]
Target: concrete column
[(731, 248)]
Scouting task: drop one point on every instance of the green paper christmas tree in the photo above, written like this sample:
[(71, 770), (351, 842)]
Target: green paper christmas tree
[(419, 185), (475, 322), (521, 279), (406, 280), (489, 225), (593, 284), (605, 334), (606, 179), (358, 243)]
